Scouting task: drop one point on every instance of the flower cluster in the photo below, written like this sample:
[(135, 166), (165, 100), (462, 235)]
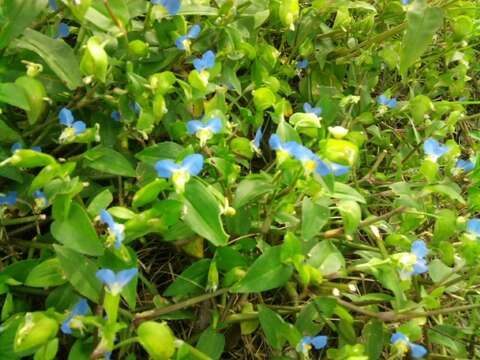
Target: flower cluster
[(180, 173)]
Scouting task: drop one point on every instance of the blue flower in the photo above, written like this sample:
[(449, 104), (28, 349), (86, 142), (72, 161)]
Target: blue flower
[(19, 146), (204, 131), (207, 61), (116, 230), (180, 173), (74, 128), (318, 342), (40, 198), (8, 199), (388, 102), (116, 116), (405, 2), (307, 157), (414, 263), (312, 110), (172, 6), (183, 42), (53, 5), (135, 107), (115, 282), (434, 150), (258, 139), (473, 227), (303, 64), (80, 309), (62, 31), (403, 343), (284, 150), (339, 170), (465, 165)]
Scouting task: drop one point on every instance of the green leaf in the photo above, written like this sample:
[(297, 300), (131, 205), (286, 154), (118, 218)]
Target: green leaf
[(80, 272), (149, 192), (7, 134), (203, 213), (422, 23), (99, 202), (164, 150), (76, 232), (374, 336), (266, 273), (351, 215), (190, 281), (451, 190), (326, 257), (56, 53), (277, 330), (47, 274), (211, 343), (109, 161), (18, 14), (314, 218), (48, 351), (445, 225), (250, 189), (14, 95)]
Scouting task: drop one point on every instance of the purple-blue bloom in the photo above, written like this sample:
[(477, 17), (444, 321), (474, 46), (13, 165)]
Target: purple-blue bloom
[(115, 282), (73, 127), (8, 199), (403, 343), (312, 110), (434, 150), (465, 165), (207, 61), (318, 342), (183, 42), (303, 64), (62, 31), (115, 229), (172, 6), (473, 227), (388, 102), (80, 309)]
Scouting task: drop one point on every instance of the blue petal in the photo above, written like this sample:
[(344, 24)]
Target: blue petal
[(434, 149), (420, 267), (66, 117), (302, 153), (53, 5), (116, 116), (194, 31), (419, 248), (215, 125), (209, 59), (40, 195), (15, 147), (36, 148), (199, 65), (108, 355), (107, 218), (275, 142), (179, 42), (9, 198), (392, 103), (136, 108), (405, 2), (302, 64), (63, 30), (291, 147), (66, 329), (339, 170), (465, 165), (322, 168), (193, 126), (307, 107), (473, 227), (165, 168), (172, 6), (398, 336), (193, 164), (81, 308), (382, 100), (79, 127), (418, 351), (106, 276), (258, 137), (124, 276), (319, 342)]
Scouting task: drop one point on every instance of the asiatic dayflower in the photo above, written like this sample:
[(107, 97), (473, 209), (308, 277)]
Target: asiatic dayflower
[(63, 31), (73, 127), (309, 109), (172, 6), (203, 64), (390, 103), (116, 231), (414, 262), (317, 342), (116, 116), (338, 169), (283, 150), (115, 282), (310, 161), (257, 140), (183, 42), (473, 228), (19, 146), (302, 64), (8, 199), (204, 131), (403, 344), (73, 321), (53, 5), (465, 165), (40, 199), (434, 150), (180, 173)]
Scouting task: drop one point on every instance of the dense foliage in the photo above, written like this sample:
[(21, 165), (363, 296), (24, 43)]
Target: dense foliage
[(235, 179)]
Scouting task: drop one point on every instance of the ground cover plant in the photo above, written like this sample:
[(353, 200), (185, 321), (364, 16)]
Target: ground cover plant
[(235, 179)]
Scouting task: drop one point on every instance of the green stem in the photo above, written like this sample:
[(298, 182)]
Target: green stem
[(24, 220), (123, 343), (195, 352)]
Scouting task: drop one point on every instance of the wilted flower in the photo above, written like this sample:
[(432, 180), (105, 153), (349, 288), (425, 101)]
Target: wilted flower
[(73, 128), (414, 262), (202, 131), (115, 282), (312, 110), (317, 342), (116, 231), (8, 199), (386, 101), (403, 344), (183, 42), (72, 322), (172, 6), (434, 150), (180, 173)]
